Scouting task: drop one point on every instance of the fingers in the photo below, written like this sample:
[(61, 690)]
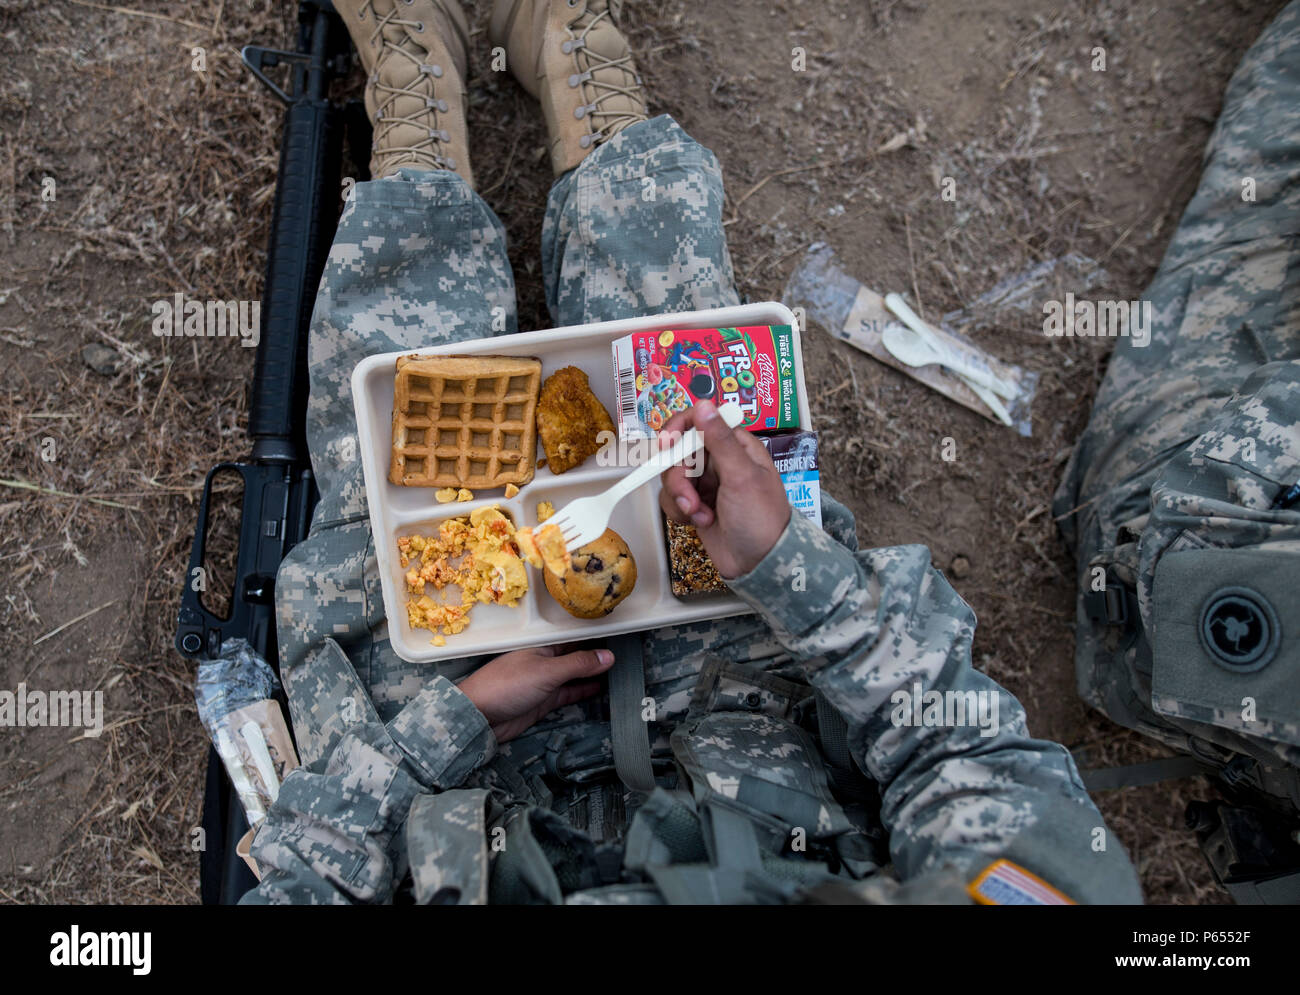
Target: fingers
[(675, 504), (684, 505), (675, 425), (730, 454), (726, 451), (678, 498), (579, 665), (688, 500), (570, 693), (722, 439), (757, 452), (703, 416), (690, 487), (731, 459)]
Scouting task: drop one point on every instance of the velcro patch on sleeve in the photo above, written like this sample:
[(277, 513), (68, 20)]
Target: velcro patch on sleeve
[(1006, 883)]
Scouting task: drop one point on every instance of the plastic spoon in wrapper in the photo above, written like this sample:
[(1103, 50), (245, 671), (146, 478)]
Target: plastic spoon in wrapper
[(905, 354), (229, 753), (989, 398), (917, 346), (252, 735), (585, 520)]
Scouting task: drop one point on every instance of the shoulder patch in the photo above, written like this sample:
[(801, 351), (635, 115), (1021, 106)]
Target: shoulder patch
[(1005, 883)]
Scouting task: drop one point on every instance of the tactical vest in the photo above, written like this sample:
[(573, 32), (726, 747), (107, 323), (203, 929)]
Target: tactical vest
[(721, 827)]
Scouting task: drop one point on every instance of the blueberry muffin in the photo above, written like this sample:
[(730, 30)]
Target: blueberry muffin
[(601, 575)]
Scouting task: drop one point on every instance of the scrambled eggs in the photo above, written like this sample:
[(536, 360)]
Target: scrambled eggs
[(489, 570), (545, 547)]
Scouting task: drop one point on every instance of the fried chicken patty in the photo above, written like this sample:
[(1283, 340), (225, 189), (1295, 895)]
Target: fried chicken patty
[(569, 419)]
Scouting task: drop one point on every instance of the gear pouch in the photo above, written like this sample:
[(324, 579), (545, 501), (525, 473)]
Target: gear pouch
[(740, 741), (1226, 640)]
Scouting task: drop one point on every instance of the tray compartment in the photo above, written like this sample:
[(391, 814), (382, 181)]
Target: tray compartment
[(635, 520), (492, 617)]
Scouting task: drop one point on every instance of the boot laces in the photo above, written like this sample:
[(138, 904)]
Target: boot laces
[(420, 87), (591, 65)]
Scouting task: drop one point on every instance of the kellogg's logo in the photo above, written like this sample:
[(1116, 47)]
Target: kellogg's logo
[(766, 379)]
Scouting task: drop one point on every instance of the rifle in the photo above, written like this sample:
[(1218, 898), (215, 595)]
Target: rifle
[(279, 490)]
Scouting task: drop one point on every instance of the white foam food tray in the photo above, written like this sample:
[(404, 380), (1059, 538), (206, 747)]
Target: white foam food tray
[(538, 619)]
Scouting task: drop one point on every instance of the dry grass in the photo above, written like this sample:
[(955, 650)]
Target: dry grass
[(164, 183)]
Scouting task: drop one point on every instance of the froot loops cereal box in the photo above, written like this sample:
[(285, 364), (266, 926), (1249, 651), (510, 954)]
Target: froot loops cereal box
[(661, 373)]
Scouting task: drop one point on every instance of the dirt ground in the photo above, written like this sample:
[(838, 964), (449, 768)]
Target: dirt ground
[(162, 180)]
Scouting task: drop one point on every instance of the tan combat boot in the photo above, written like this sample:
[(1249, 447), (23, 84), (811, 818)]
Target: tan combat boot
[(571, 55), (416, 57)]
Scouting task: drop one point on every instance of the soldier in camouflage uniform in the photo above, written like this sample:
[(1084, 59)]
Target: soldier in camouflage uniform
[(1175, 498), (782, 766)]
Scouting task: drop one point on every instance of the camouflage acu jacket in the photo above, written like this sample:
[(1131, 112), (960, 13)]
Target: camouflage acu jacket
[(875, 634)]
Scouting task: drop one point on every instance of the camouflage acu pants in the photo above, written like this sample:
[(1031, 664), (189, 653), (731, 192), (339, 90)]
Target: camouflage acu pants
[(419, 260), (1187, 614)]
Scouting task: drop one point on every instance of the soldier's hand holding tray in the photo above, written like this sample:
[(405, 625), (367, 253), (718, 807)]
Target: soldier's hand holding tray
[(514, 690), (738, 504)]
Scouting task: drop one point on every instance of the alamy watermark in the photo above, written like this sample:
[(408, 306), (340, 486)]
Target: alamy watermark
[(208, 319), (1098, 319), (618, 451), (35, 709), (94, 948), (944, 709)]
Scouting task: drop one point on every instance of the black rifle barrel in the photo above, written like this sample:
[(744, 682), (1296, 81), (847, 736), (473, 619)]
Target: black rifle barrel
[(296, 254)]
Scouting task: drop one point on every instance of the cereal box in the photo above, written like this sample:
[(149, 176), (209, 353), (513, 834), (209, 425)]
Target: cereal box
[(660, 373)]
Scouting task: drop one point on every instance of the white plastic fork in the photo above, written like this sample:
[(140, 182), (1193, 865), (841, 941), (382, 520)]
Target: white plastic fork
[(585, 520)]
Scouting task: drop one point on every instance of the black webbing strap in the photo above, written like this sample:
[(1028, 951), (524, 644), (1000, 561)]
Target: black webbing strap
[(833, 731), (1135, 775), (630, 735)]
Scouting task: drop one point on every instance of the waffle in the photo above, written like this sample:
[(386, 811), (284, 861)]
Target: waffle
[(464, 421)]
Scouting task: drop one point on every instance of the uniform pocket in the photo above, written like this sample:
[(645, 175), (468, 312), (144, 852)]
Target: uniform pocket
[(1224, 651), (741, 741)]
